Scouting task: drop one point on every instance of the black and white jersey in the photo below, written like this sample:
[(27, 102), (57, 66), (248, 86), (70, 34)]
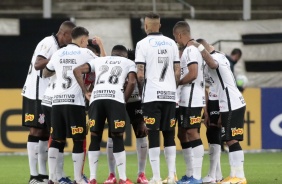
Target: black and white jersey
[(111, 73), (158, 53), (212, 95), (35, 85), (230, 98), (67, 90), (48, 95), (192, 94)]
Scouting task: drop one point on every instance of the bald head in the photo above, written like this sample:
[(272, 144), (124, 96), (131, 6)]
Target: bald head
[(152, 23), (207, 46), (64, 33)]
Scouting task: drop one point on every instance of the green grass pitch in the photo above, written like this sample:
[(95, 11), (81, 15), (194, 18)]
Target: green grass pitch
[(260, 168)]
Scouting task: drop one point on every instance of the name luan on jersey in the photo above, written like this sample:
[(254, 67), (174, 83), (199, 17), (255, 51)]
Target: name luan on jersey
[(158, 53), (35, 85), (67, 90)]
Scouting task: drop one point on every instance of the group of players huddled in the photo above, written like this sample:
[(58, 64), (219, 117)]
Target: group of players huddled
[(159, 85)]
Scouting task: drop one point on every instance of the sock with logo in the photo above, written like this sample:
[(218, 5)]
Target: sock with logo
[(77, 158), (188, 158), (154, 156), (93, 157), (42, 155), (142, 149), (53, 154), (198, 154), (110, 156), (214, 153), (170, 160), (236, 155), (32, 152), (120, 158), (60, 162)]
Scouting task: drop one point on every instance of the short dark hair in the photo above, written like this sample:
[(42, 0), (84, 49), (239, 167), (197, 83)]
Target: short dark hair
[(79, 31), (94, 46), (152, 15), (68, 24), (236, 51), (119, 50), (182, 24)]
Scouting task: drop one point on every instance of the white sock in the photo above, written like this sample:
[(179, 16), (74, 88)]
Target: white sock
[(77, 159), (120, 158), (198, 154), (60, 166), (110, 156), (52, 162), (238, 163), (154, 156), (32, 152), (93, 158), (170, 160), (218, 173), (142, 149), (42, 157), (214, 153), (188, 157)]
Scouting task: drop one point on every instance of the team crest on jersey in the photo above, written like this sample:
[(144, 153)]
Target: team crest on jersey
[(119, 124), (195, 120), (76, 130), (29, 117), (91, 123), (237, 131), (150, 121), (172, 122), (41, 118)]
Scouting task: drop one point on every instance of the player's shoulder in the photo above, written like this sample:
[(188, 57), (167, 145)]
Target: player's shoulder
[(86, 51)]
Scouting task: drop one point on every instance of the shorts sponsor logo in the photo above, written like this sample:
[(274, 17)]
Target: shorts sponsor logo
[(150, 120), (29, 117), (237, 131), (41, 118), (51, 130), (195, 120), (119, 124), (76, 130), (172, 122), (91, 123), (138, 111), (214, 113)]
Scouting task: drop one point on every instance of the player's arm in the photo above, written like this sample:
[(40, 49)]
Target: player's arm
[(140, 77), (47, 72), (99, 42), (191, 75), (176, 68), (206, 115), (40, 62), (131, 81), (78, 73), (205, 54)]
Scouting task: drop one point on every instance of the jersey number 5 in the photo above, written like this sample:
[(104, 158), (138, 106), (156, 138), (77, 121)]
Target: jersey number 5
[(66, 77)]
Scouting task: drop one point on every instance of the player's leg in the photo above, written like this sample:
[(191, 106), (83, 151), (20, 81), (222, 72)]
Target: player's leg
[(30, 115), (152, 116), (116, 116), (111, 161), (137, 121), (167, 125), (232, 133)]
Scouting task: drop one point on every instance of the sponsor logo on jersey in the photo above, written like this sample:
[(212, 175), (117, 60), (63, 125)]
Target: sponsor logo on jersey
[(41, 118), (166, 95), (195, 120), (76, 130), (156, 43), (172, 122), (29, 117), (150, 120), (119, 124), (67, 53), (91, 123), (237, 131)]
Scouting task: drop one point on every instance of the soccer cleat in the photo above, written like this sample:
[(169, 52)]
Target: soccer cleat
[(234, 180), (218, 181), (44, 178), (153, 181), (111, 179), (65, 180), (175, 178), (50, 182), (183, 180), (208, 179), (127, 181), (36, 180), (93, 181), (189, 180), (142, 179)]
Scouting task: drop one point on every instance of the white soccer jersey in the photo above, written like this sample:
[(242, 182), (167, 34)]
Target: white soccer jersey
[(35, 85), (111, 72), (229, 96), (193, 94), (212, 95), (67, 90), (158, 53), (48, 95)]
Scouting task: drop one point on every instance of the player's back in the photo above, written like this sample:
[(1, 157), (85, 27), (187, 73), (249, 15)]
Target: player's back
[(63, 62), (111, 72), (158, 53), (35, 85)]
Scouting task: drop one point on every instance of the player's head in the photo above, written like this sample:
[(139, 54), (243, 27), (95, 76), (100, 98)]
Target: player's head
[(236, 54), (181, 33), (152, 23), (80, 36), (64, 33), (94, 47), (207, 46), (131, 54), (119, 50)]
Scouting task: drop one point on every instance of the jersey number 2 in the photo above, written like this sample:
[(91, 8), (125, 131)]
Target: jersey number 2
[(114, 74)]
